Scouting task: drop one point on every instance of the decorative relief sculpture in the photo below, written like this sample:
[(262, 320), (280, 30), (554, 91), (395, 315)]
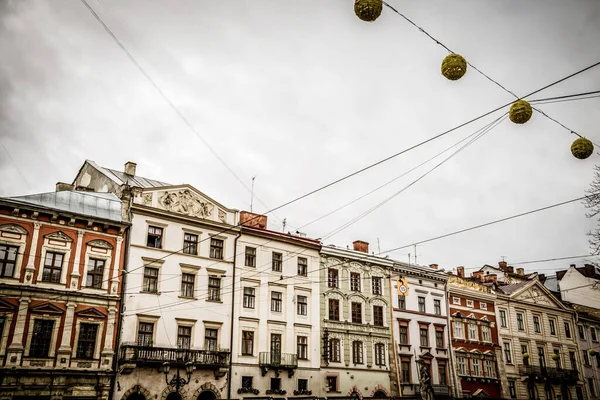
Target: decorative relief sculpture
[(185, 202), (147, 199), (222, 216)]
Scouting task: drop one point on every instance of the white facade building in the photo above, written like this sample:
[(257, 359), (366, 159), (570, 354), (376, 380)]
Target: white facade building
[(580, 285), (276, 344)]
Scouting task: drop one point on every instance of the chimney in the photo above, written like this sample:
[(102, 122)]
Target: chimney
[(252, 220), (491, 278), (502, 265), (434, 266), (361, 246), (460, 271), (130, 168), (63, 187), (573, 265), (478, 275), (520, 271), (510, 269), (542, 277)]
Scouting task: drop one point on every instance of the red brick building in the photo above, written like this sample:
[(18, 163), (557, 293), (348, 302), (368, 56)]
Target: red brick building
[(61, 256), (474, 334)]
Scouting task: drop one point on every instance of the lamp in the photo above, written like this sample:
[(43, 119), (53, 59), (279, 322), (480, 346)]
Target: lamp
[(178, 381)]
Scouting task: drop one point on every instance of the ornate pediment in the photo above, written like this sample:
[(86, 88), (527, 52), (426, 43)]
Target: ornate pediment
[(187, 202), (12, 228), (6, 306), (47, 308), (100, 243), (58, 236), (537, 295), (91, 313)]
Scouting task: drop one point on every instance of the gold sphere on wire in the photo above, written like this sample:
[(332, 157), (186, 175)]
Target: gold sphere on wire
[(368, 10), (582, 148), (520, 112), (454, 66)]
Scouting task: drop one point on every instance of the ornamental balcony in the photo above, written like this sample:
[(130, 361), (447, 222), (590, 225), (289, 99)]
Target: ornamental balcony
[(278, 362), (556, 376)]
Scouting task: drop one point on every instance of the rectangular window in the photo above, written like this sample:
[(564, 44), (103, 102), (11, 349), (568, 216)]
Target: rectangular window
[(403, 333), (246, 382), (150, 280), (423, 335), (402, 302), (469, 303), (95, 273), (503, 319), (145, 334), (376, 285), (210, 339), (489, 369), (332, 384), (567, 330), (216, 248), (357, 352), (277, 262), (8, 258), (247, 343), (442, 375), (357, 313), (334, 350), (485, 333), (507, 353), (552, 327), (250, 257), (249, 297), (52, 267), (581, 332), (439, 339), (155, 235), (302, 385), (302, 266), (302, 347), (473, 332), (541, 357), (332, 278), (184, 337), (275, 383), (302, 305), (458, 330), (456, 301), (379, 354), (475, 367), (556, 357), (214, 288), (520, 322), (2, 323), (572, 360), (590, 382), (334, 310), (41, 338), (593, 334), (190, 244), (512, 389), (461, 362), (276, 298), (378, 315), (483, 306), (421, 304), (355, 281), (586, 358), (405, 367), (437, 307), (525, 354), (536, 324), (86, 343), (187, 285)]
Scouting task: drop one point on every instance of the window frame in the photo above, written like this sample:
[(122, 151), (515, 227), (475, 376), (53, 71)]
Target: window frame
[(145, 334), (333, 310), (249, 298), (423, 336), (157, 237), (355, 284), (503, 320), (357, 352), (247, 343), (379, 354), (214, 289), (211, 343), (334, 350), (150, 281), (333, 278), (302, 305), (356, 312), (378, 316), (276, 302), (302, 266), (437, 306), (82, 341), (276, 262), (377, 286), (302, 347), (190, 246), (94, 274), (421, 304), (250, 257), (52, 268), (184, 336), (6, 261), (188, 288), (48, 341), (217, 247)]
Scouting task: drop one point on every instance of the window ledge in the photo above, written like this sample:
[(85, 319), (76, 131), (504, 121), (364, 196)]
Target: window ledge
[(154, 293), (187, 298), (214, 301)]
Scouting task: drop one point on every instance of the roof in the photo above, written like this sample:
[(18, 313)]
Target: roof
[(513, 287), (588, 270), (121, 178), (316, 243), (99, 205)]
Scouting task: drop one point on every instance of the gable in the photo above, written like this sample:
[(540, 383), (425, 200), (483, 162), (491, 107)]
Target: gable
[(100, 243), (12, 228), (6, 306), (47, 308), (90, 313), (60, 236), (537, 294)]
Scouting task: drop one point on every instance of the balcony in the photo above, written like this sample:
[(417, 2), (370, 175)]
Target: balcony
[(278, 362), (556, 376), (138, 355)]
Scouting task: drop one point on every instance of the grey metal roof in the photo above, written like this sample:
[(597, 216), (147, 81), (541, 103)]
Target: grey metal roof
[(513, 287), (99, 205), (120, 178)]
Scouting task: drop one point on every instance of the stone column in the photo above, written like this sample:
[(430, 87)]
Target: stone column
[(15, 349), (114, 282), (75, 274), (108, 351), (64, 351), (30, 268)]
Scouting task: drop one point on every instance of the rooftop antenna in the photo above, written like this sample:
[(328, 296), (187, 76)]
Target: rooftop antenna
[(252, 193), (378, 247), (503, 257), (284, 224), (415, 246), (408, 258)]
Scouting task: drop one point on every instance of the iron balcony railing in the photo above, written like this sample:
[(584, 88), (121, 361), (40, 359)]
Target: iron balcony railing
[(278, 360), (556, 374), (148, 354)]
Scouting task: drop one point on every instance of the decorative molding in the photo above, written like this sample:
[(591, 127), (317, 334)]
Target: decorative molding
[(272, 321), (47, 308), (185, 202), (91, 313), (6, 306), (13, 228), (58, 235), (100, 243)]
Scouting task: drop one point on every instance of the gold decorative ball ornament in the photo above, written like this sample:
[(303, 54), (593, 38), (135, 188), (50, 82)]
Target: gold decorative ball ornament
[(582, 148), (454, 67), (520, 112), (368, 10)]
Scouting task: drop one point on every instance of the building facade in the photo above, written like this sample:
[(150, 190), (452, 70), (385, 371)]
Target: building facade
[(356, 325), (179, 288), (474, 331), (60, 260), (588, 334), (420, 330), (538, 336), (276, 341)]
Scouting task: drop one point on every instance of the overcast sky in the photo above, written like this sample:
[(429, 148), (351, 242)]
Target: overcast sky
[(300, 93)]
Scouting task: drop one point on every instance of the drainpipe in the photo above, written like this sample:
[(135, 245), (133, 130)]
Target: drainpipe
[(395, 349), (232, 315), (450, 349)]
